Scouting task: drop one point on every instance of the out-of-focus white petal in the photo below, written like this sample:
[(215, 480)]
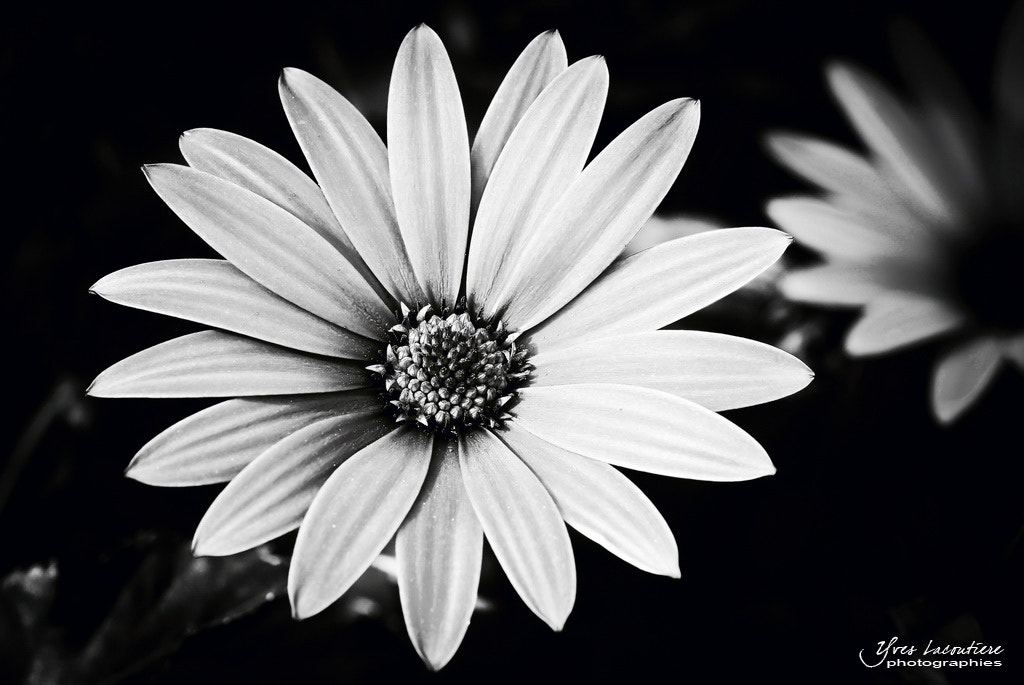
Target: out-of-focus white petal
[(833, 284), (601, 503), (522, 524), (542, 60), (598, 214), (895, 320), (215, 293), (839, 234), (355, 514), (438, 551), (642, 429), (830, 166), (257, 168), (213, 445), (350, 163), (655, 287), (662, 229), (716, 371), (542, 157), (961, 376), (272, 247), (896, 138), (948, 113), (215, 364), (428, 152), (1013, 349), (271, 495)]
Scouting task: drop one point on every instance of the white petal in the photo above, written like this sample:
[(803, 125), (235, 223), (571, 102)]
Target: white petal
[(352, 518), (213, 445), (542, 60), (661, 229), (1013, 349), (522, 524), (350, 163), (896, 320), (716, 371), (642, 429), (948, 112), (895, 137), (830, 166), (840, 234), (428, 151), (257, 168), (599, 213), (272, 247), (542, 157), (961, 376), (438, 551), (601, 503), (655, 287), (271, 495), (215, 364), (215, 293), (833, 284)]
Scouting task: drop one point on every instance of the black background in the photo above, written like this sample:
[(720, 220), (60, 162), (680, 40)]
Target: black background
[(878, 520)]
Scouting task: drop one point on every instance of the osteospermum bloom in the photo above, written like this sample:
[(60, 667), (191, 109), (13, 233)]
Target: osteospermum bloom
[(397, 376), (926, 230)]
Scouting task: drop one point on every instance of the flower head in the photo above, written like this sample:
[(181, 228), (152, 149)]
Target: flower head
[(396, 376), (926, 230)]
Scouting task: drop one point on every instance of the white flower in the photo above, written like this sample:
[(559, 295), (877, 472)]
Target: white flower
[(397, 377), (926, 230)]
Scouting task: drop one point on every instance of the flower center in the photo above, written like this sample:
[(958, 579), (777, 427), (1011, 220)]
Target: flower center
[(989, 278), (449, 373)]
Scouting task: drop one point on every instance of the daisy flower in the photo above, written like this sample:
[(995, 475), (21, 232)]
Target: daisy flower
[(396, 375), (925, 230)]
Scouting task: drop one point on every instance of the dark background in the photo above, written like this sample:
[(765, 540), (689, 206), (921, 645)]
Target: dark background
[(878, 523)]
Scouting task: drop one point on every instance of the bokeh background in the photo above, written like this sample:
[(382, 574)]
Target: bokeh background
[(878, 523)]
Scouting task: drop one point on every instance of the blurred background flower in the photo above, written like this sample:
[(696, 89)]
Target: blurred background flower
[(877, 521), (925, 230)]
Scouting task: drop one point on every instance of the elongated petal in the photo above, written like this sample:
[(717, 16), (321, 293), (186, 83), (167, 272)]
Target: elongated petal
[(893, 135), (662, 229), (438, 550), (257, 168), (655, 287), (272, 247), (522, 524), (601, 503), (947, 111), (428, 151), (213, 445), (642, 429), (215, 293), (542, 157), (542, 60), (1013, 349), (271, 495), (716, 371), (350, 163), (962, 375), (599, 213), (215, 364), (896, 320), (355, 514), (843, 235), (831, 166), (832, 284)]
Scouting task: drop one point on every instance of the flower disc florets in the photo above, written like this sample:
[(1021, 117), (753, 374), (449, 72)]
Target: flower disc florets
[(449, 373)]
